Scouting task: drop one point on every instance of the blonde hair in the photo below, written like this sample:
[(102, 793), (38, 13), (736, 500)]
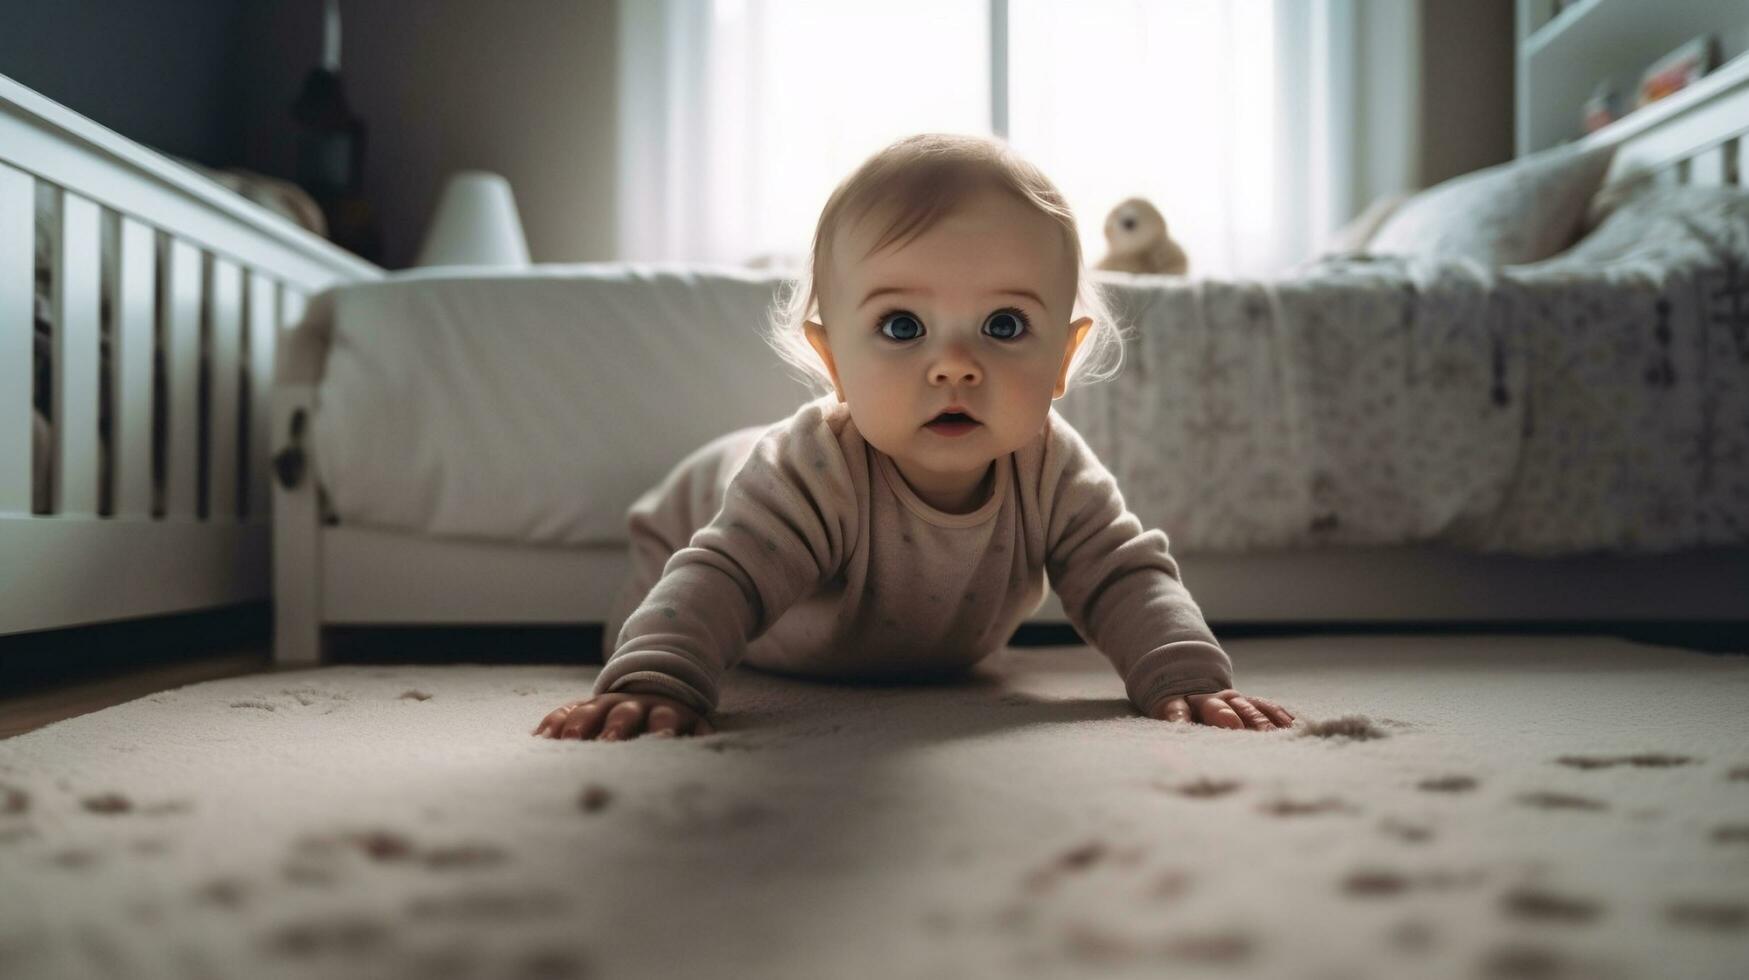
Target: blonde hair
[(918, 181)]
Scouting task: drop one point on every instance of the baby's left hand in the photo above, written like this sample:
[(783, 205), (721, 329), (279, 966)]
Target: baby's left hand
[(1225, 709)]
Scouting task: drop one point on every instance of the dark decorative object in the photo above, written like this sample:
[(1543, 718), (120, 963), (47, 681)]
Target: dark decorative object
[(331, 145)]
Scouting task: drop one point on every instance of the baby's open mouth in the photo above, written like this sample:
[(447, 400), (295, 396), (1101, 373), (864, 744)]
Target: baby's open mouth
[(951, 421)]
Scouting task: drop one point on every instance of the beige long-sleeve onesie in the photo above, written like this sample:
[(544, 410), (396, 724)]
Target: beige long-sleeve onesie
[(800, 548)]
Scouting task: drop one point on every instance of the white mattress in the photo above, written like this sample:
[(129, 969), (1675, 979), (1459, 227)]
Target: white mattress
[(536, 406), (1588, 403)]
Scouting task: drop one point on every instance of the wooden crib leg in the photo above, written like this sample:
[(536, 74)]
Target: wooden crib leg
[(297, 542)]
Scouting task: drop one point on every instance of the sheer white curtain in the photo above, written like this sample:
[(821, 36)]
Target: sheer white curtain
[(1240, 119)]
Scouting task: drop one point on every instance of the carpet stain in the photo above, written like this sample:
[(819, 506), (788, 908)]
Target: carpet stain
[(225, 893), (108, 803), (1540, 905), (1738, 775), (255, 703), (1205, 788), (1374, 884), (1305, 808), (1647, 760), (1733, 833), (350, 935), (1073, 861), (1403, 830), (1725, 917), (1561, 801), (733, 744), (383, 845), (414, 696), (13, 799), (1169, 885), (307, 696), (1384, 883), (74, 859), (1355, 727), (593, 798), (1447, 784)]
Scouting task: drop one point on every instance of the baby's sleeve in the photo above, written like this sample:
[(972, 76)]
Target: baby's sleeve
[(785, 527), (1119, 583)]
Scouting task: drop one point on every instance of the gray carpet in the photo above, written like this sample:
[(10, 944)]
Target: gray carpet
[(1453, 806)]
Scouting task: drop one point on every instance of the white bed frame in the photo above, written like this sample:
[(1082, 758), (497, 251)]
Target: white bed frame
[(329, 575), (244, 268)]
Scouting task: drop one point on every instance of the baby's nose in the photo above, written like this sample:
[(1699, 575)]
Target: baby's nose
[(957, 372)]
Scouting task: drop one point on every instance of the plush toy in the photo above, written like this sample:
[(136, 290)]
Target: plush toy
[(1137, 241)]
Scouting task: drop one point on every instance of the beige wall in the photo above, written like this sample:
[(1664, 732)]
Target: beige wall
[(525, 89), (1467, 61)]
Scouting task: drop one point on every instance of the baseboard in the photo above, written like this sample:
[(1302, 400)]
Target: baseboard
[(28, 659)]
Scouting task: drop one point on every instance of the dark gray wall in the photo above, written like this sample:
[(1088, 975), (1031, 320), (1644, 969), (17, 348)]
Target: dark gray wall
[(526, 89), (159, 72)]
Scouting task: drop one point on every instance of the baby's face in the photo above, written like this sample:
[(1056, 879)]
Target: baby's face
[(974, 313)]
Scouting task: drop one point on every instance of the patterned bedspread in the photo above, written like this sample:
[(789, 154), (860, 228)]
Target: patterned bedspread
[(1598, 401)]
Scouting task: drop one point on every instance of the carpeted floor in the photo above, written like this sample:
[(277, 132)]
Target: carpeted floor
[(1449, 806)]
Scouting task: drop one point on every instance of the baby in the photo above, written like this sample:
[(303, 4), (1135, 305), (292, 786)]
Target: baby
[(903, 524)]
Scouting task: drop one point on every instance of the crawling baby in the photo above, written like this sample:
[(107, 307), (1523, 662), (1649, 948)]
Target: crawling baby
[(905, 522)]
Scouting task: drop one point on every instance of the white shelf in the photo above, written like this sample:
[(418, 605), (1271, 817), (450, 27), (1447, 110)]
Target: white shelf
[(1562, 59)]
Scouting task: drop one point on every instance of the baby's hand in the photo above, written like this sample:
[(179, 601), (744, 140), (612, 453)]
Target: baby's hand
[(1227, 709), (617, 716)]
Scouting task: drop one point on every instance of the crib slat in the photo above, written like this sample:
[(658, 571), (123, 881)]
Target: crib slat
[(1707, 168), (137, 267), (226, 355), (17, 286), (291, 307), (263, 326), (76, 357), (182, 375), (1741, 145)]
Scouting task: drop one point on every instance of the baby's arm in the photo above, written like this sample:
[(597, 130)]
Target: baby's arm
[(785, 526), (1120, 585)]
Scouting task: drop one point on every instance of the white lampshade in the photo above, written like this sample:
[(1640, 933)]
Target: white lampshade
[(475, 224)]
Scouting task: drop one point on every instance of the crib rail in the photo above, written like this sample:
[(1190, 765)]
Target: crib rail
[(133, 469)]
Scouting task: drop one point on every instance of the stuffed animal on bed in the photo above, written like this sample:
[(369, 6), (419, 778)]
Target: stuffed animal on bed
[(1135, 234)]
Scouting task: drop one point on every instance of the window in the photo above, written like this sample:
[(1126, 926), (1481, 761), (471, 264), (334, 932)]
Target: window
[(740, 116)]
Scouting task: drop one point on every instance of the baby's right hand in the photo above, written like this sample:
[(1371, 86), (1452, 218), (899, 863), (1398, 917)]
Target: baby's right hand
[(612, 717)]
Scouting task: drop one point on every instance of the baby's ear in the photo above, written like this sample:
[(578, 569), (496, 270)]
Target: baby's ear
[(1078, 332), (816, 334)]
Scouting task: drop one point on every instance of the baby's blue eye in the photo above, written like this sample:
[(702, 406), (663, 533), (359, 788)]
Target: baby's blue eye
[(1006, 324), (907, 326)]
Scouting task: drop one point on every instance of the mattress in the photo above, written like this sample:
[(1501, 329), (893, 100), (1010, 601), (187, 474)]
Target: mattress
[(1597, 401), (535, 406)]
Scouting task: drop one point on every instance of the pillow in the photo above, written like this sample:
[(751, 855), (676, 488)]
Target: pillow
[(1521, 211), (1668, 226), (1354, 236)]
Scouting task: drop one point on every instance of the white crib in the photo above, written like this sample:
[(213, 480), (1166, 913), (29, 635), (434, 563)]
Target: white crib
[(151, 261)]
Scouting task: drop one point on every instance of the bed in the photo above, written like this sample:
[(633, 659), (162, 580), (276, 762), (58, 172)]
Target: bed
[(140, 303), (459, 447)]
